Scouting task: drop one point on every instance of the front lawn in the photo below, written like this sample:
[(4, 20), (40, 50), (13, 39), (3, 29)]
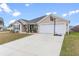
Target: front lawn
[(70, 45), (7, 37)]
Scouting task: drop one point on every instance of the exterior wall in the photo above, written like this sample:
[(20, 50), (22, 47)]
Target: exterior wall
[(22, 29), (23, 26), (15, 24), (59, 23), (48, 21)]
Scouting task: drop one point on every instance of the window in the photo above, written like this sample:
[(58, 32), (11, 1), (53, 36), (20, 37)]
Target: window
[(16, 28)]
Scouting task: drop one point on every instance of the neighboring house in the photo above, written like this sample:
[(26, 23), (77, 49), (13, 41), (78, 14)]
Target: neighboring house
[(1, 24), (43, 24), (70, 28), (75, 29)]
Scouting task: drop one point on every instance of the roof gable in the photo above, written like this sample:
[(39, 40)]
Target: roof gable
[(59, 18), (51, 16), (21, 21)]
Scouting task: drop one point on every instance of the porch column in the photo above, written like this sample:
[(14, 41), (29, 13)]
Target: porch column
[(28, 28), (37, 28)]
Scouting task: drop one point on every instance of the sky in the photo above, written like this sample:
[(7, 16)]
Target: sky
[(11, 12)]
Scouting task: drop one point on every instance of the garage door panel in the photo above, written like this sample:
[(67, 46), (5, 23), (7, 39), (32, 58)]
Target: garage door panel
[(59, 29), (45, 29)]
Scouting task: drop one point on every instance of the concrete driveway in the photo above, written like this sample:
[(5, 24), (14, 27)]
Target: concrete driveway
[(35, 45)]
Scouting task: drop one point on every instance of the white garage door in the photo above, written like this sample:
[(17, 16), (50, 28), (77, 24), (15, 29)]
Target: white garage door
[(59, 29), (45, 29)]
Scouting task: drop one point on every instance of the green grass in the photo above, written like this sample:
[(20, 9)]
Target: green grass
[(8, 37), (70, 45)]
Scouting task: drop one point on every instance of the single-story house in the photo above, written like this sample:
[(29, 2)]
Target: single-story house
[(74, 28), (43, 24), (1, 24)]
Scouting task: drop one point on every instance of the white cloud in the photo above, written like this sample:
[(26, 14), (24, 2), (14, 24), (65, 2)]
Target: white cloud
[(77, 11), (48, 13), (12, 21), (71, 12), (64, 15), (16, 13), (5, 8), (54, 12), (27, 5)]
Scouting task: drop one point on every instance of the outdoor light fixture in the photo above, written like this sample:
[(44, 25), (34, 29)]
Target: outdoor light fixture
[(54, 20), (51, 19)]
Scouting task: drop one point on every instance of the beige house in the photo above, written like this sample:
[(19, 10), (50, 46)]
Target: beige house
[(43, 24), (1, 24)]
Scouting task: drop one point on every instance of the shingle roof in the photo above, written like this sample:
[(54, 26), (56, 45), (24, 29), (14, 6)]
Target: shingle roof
[(37, 19), (22, 21), (51, 15)]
